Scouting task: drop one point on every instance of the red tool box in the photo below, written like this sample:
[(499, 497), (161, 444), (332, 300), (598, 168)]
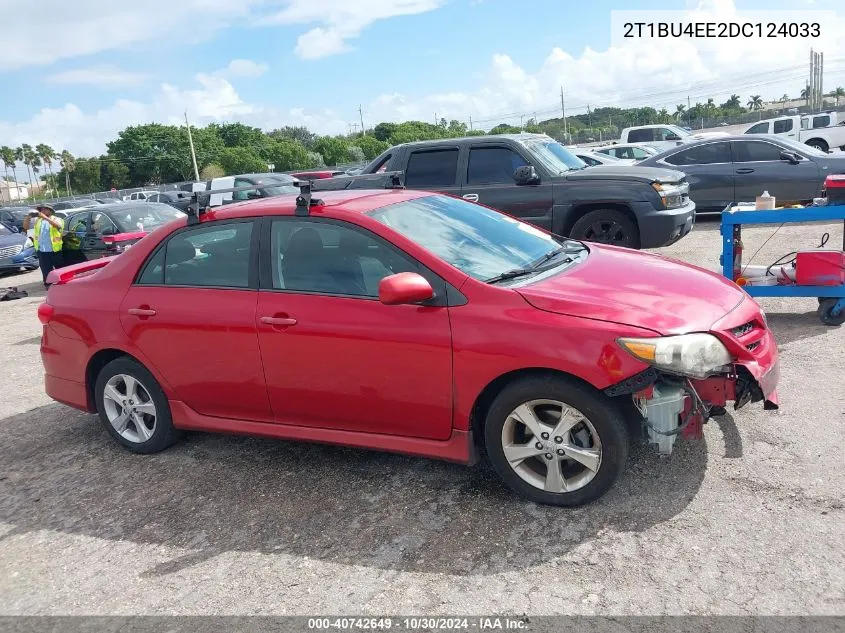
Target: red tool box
[(834, 188), (820, 268)]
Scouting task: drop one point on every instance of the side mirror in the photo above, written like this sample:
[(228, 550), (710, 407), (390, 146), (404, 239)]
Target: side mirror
[(253, 195), (789, 157), (404, 288), (673, 137), (526, 175)]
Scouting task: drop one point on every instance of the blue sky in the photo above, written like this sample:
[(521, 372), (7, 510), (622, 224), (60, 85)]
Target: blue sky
[(456, 58)]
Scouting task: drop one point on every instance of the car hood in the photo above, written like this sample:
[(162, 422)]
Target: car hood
[(12, 240), (626, 172), (638, 289)]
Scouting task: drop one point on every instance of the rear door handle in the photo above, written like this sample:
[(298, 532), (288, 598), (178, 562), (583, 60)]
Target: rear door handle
[(278, 321), (472, 197), (143, 312), (745, 170)]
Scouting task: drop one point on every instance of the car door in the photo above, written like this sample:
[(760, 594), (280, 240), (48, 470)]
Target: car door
[(434, 169), (759, 167), (73, 237), (100, 225), (710, 173), (335, 357), (490, 181), (191, 313)]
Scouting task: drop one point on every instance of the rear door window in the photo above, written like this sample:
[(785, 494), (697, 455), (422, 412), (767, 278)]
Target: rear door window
[(488, 165), (641, 136), (782, 126), (709, 154), (433, 168)]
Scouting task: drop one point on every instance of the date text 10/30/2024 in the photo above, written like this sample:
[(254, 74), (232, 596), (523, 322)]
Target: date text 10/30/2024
[(418, 623), (769, 30)]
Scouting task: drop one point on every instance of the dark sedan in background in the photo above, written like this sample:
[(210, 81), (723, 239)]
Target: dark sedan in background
[(15, 253), (109, 229), (176, 199), (14, 216), (729, 169)]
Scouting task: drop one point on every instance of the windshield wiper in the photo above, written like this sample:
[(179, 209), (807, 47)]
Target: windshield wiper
[(510, 274)]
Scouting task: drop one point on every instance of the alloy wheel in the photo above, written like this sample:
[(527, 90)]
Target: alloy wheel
[(551, 446), (129, 408)]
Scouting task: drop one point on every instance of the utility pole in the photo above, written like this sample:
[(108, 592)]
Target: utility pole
[(470, 121), (689, 107), (821, 82), (563, 114), (191, 143), (361, 114)]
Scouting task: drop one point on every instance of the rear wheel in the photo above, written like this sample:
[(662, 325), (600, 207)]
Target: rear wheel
[(818, 144), (556, 442), (607, 226), (133, 407)]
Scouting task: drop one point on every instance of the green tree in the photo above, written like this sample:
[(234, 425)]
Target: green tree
[(288, 155), (294, 133), (838, 93), (334, 150), (384, 131), (24, 154), (114, 174), (7, 155), (68, 163), (315, 159), (237, 135), (240, 160), (504, 128), (371, 146), (87, 175), (211, 171), (755, 102), (733, 103), (356, 154), (679, 111), (48, 155)]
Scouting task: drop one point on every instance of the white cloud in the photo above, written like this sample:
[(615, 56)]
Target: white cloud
[(341, 20), (242, 68), (103, 75), (661, 73)]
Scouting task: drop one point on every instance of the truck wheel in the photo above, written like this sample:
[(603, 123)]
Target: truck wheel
[(555, 441), (819, 144), (607, 226), (826, 312)]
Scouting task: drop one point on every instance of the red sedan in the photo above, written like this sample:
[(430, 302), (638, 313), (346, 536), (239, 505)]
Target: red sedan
[(404, 321)]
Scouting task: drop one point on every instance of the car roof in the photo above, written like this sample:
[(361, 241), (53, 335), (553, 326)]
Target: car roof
[(357, 201), (522, 136)]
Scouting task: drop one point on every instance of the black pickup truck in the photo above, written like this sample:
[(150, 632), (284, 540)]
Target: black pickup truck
[(534, 178)]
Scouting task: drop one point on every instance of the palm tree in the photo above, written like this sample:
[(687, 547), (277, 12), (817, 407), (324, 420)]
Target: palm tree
[(805, 94), (838, 94), (22, 154), (679, 111), (7, 155), (47, 155), (36, 164), (755, 102), (733, 102), (664, 115), (68, 163)]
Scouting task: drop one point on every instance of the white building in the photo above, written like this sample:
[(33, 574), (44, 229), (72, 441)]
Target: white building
[(12, 191)]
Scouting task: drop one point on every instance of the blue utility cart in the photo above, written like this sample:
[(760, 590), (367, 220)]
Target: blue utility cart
[(831, 297)]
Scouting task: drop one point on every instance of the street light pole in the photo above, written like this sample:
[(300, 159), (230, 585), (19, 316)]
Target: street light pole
[(191, 143)]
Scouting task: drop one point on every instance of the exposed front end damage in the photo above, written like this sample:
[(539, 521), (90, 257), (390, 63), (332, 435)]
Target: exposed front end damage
[(673, 404)]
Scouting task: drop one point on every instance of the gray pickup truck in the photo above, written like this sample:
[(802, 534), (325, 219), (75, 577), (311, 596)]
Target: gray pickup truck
[(534, 178)]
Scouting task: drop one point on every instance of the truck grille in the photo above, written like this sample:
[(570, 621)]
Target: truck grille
[(10, 251)]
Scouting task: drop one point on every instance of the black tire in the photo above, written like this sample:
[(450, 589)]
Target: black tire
[(599, 410), (163, 433), (607, 226), (826, 312), (819, 145)]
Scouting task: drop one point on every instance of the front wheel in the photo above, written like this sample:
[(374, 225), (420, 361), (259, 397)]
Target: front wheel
[(607, 226), (826, 312), (819, 145), (555, 441), (133, 407)]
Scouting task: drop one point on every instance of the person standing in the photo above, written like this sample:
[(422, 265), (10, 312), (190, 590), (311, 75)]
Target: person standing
[(47, 240)]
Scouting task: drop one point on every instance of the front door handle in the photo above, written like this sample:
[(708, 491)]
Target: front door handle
[(472, 197), (278, 321), (745, 170), (141, 312)]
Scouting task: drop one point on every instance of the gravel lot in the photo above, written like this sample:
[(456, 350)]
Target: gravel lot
[(748, 521)]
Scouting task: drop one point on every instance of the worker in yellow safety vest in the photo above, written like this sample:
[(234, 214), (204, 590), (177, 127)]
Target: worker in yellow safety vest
[(47, 239)]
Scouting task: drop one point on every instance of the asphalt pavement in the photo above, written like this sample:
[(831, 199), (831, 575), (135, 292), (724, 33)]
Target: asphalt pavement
[(748, 521)]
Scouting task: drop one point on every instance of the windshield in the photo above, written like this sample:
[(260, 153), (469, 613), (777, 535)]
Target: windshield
[(280, 190), (145, 217), (554, 156), (478, 241), (806, 150), (4, 229)]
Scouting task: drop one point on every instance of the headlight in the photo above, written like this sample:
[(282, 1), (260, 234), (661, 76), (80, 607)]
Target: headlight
[(694, 355), (673, 195)]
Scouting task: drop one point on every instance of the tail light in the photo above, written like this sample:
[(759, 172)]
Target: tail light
[(45, 313)]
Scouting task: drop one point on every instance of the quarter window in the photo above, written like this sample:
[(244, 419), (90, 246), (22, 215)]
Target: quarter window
[(436, 168), (332, 259), (493, 165)]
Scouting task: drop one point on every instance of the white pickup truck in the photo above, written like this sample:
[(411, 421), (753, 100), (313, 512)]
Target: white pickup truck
[(822, 131), (663, 136)]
